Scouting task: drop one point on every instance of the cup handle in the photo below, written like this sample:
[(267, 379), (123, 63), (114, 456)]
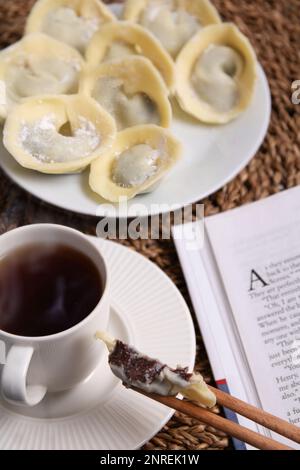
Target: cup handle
[(14, 374)]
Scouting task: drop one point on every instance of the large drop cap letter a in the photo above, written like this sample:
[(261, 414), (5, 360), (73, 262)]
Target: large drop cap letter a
[(255, 277)]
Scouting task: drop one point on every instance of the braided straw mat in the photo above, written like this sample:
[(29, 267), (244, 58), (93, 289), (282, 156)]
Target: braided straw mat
[(273, 26)]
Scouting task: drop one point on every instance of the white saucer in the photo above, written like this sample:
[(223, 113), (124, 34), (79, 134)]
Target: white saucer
[(213, 155), (100, 414)]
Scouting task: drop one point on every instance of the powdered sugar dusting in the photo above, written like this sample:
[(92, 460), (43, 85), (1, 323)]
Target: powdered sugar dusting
[(64, 24), (135, 166), (87, 130), (42, 140), (170, 22)]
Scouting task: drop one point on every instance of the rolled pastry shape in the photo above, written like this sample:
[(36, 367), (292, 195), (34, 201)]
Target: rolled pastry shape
[(117, 40), (173, 22), (58, 134), (71, 21), (140, 157), (216, 74), (38, 65), (131, 90), (142, 372)]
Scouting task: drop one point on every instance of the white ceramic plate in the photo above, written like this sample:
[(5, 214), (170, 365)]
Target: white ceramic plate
[(100, 414), (213, 156)]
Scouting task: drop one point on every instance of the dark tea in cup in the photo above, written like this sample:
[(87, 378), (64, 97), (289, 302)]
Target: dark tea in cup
[(46, 289)]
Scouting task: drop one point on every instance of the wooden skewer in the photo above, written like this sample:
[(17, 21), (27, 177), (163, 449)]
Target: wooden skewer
[(229, 427), (257, 415)]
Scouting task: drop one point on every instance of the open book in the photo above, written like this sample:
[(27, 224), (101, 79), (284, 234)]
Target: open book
[(245, 286)]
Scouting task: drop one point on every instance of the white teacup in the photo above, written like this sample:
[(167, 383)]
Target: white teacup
[(58, 362)]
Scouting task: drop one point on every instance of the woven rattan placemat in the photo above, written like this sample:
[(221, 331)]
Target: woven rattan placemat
[(273, 26)]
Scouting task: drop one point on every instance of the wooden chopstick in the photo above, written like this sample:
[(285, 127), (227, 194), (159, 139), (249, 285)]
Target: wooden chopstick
[(229, 427), (257, 415)]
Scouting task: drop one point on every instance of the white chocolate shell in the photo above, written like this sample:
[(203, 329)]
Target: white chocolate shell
[(71, 21), (131, 90), (38, 65), (58, 134), (173, 22), (216, 74), (117, 40), (140, 157)]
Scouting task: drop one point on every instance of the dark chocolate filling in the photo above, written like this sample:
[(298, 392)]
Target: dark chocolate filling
[(138, 368)]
